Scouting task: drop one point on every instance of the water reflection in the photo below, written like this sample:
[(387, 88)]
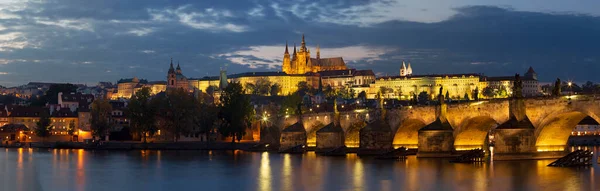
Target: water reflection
[(286, 172), (29, 169), (264, 176)]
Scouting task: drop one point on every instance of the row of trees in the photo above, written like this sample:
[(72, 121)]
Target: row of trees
[(263, 86), (177, 113)]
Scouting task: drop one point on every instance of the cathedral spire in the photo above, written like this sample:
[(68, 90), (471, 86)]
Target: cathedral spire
[(178, 68), (303, 48), (318, 52), (286, 48), (294, 54), (409, 70)]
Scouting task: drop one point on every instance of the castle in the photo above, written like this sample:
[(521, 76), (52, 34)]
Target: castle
[(301, 62)]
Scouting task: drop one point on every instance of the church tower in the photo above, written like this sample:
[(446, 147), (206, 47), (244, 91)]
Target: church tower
[(303, 58), (172, 76), (178, 68), (409, 70), (286, 66), (403, 69)]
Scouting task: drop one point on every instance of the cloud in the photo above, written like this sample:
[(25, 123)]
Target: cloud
[(75, 24), (148, 51), (257, 11), (209, 19), (270, 57), (4, 73), (12, 40), (140, 31)]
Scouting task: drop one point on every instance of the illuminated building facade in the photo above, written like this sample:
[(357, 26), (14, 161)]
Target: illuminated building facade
[(300, 62)]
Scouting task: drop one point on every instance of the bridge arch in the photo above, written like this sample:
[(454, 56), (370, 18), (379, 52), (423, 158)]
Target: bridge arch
[(554, 130), (473, 132), (407, 133)]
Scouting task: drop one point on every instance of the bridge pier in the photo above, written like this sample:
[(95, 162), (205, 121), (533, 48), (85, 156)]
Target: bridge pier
[(292, 137), (375, 139), (515, 140), (329, 138), (436, 140)]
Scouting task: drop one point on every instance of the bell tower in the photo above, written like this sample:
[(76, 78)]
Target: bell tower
[(171, 76)]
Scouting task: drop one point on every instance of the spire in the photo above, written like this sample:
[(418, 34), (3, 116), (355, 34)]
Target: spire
[(178, 68), (294, 50), (318, 52), (409, 70), (286, 48), (171, 70), (403, 69), (303, 48)]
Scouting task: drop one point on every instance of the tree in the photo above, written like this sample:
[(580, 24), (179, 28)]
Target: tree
[(71, 128), (206, 117), (352, 93), (210, 90), (329, 92), (263, 86), (101, 118), (175, 112), (142, 114), (447, 97), (466, 97), (303, 88), (423, 98), (476, 94), (250, 88), (290, 102), (502, 92), (236, 112), (43, 126), (399, 92), (556, 91), (362, 96), (275, 89), (383, 91), (488, 92)]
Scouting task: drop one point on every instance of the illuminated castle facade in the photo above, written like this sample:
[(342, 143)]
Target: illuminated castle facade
[(300, 62)]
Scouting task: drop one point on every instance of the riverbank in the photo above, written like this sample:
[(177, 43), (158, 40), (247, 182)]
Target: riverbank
[(117, 145)]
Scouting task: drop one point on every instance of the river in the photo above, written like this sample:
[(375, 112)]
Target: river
[(54, 169)]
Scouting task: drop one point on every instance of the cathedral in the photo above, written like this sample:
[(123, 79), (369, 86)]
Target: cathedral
[(300, 61)]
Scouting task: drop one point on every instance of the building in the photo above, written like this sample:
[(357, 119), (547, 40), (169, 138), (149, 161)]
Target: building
[(587, 126), (127, 87), (287, 82), (404, 87), (73, 101), (347, 78), (300, 62), (176, 79), (405, 71), (456, 86), (531, 85)]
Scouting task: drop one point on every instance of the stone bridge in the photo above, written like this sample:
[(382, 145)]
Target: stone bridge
[(553, 120)]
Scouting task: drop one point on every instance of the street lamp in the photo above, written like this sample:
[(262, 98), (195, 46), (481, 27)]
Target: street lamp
[(570, 89)]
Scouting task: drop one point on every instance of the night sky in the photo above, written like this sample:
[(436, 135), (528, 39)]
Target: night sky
[(89, 41)]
